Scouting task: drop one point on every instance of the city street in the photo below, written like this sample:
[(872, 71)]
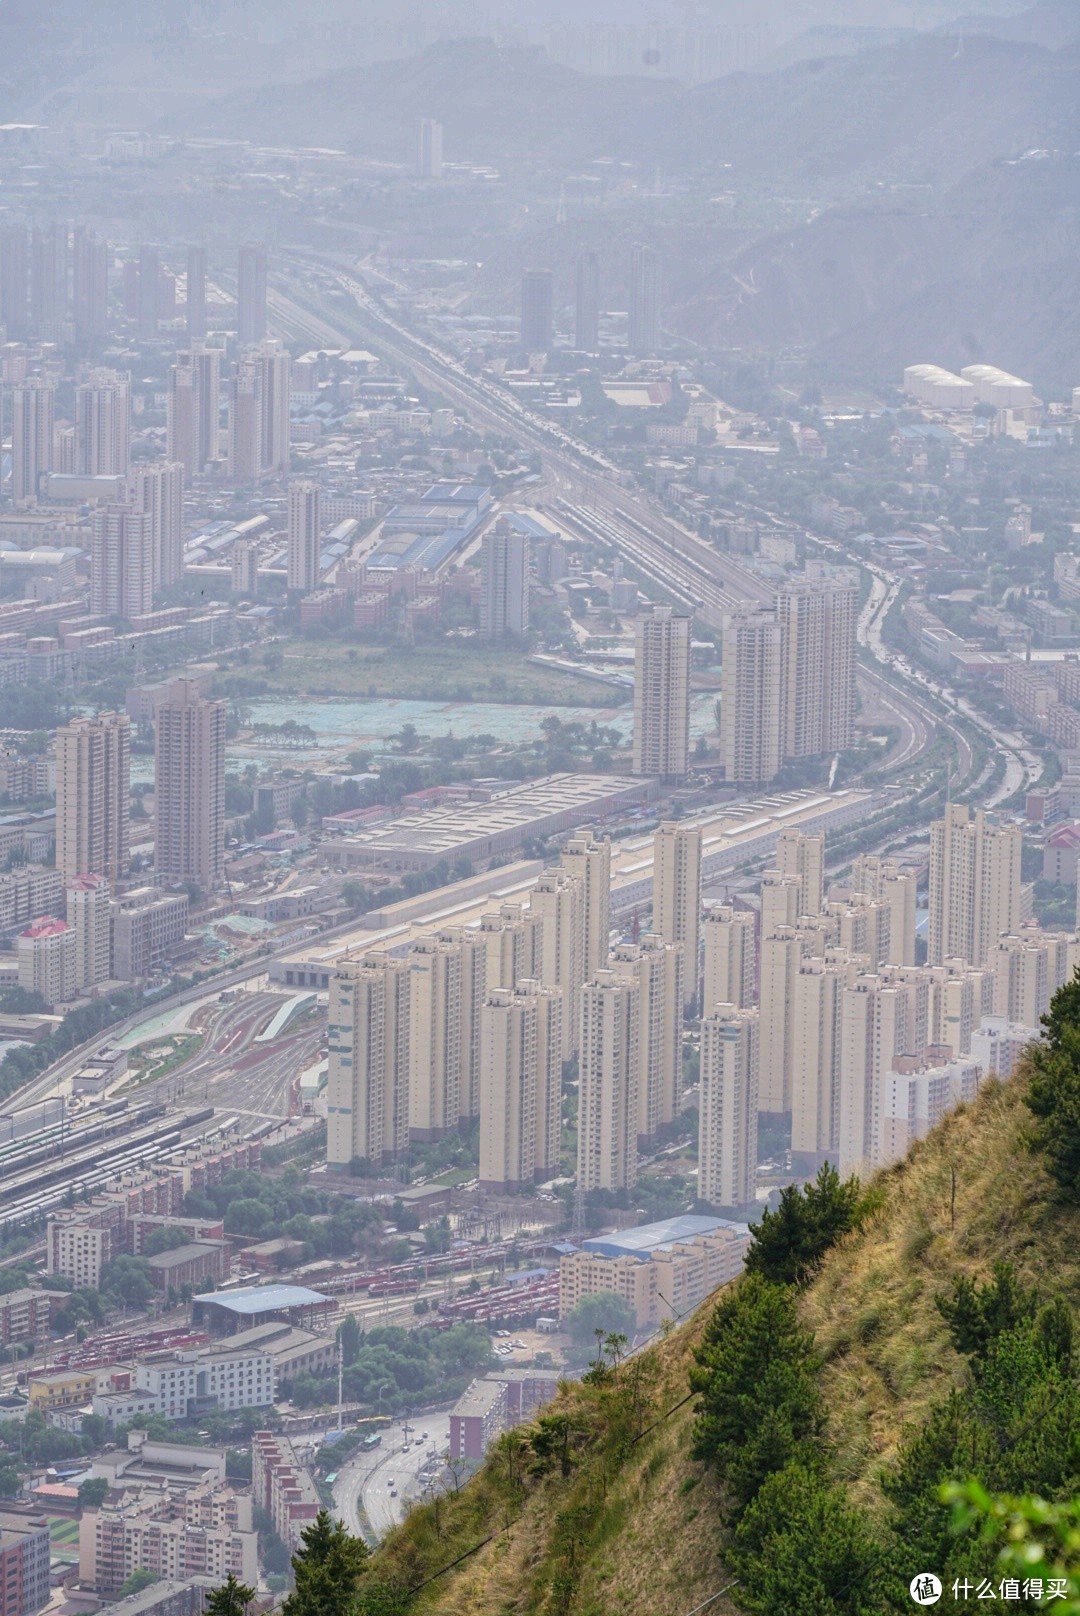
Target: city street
[(370, 1479)]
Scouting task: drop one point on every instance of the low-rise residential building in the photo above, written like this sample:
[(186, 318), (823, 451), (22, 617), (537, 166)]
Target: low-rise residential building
[(24, 1563), (661, 1270), (46, 955), (283, 1486), (192, 1381), (146, 924), (25, 1314), (190, 1265), (527, 1390), (477, 1418), (168, 1598), (205, 1531), (26, 891)]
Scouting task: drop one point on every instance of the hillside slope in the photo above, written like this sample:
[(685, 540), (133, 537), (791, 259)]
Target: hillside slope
[(636, 1526)]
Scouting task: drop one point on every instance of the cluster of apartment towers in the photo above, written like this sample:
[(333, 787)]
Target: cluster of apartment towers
[(137, 537), (815, 1012)]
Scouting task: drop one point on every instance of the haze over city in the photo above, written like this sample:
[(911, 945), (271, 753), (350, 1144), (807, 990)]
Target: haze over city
[(539, 807)]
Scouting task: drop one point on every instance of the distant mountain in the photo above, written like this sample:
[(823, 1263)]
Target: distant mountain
[(1051, 23), (985, 273), (919, 110), (815, 43)]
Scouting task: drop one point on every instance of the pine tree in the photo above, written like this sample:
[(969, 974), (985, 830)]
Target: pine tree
[(802, 1547), (759, 1405), (788, 1244), (327, 1570), (231, 1599)]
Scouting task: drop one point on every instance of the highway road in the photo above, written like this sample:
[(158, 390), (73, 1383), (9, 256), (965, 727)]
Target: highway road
[(386, 1480), (1022, 766), (592, 498), (591, 488)]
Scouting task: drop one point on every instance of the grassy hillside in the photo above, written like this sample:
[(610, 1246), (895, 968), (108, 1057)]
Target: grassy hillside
[(637, 1525), (633, 1529), (886, 1347)]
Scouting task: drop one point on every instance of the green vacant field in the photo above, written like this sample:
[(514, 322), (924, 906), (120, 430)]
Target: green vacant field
[(462, 672)]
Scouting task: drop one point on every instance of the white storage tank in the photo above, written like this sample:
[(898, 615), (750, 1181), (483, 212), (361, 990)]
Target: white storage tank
[(999, 388), (933, 385)]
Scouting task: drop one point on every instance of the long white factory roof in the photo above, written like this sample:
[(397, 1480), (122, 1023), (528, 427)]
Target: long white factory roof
[(729, 835)]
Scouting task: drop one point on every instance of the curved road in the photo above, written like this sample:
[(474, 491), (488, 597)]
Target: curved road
[(370, 1479)]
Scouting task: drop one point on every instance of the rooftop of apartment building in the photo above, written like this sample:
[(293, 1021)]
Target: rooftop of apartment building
[(174, 1463), (479, 1398)]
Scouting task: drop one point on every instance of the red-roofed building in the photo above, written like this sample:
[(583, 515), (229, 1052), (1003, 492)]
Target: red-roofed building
[(46, 955), (1061, 851)]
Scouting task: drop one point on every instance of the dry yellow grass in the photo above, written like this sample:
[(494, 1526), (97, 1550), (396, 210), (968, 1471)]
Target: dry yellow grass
[(647, 1538), (968, 1195), (652, 1539)]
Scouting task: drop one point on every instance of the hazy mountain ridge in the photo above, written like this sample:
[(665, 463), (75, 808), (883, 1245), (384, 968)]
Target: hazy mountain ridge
[(987, 273), (915, 109)]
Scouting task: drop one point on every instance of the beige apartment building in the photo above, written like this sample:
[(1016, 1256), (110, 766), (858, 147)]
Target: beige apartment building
[(780, 958), (472, 948), (45, 951), (305, 536), (815, 1057), (800, 855), (103, 425), (1028, 970), (781, 901), (520, 1085), (883, 881), (676, 896), (880, 1021), (728, 1129), (817, 620), (90, 918), (189, 788), (558, 903), (157, 490), (368, 1060), (203, 1532), (93, 787), (974, 886), (662, 694), (608, 1083), (751, 712), (788, 681), (656, 966), (730, 958), (512, 945), (589, 858), (662, 1270), (244, 444), (434, 1038)]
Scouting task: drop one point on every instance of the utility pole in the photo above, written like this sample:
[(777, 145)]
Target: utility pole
[(340, 1380)]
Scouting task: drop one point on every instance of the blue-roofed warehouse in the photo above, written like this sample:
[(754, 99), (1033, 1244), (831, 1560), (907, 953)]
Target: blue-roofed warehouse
[(660, 1270), (226, 1312), (649, 1237), (427, 531)]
